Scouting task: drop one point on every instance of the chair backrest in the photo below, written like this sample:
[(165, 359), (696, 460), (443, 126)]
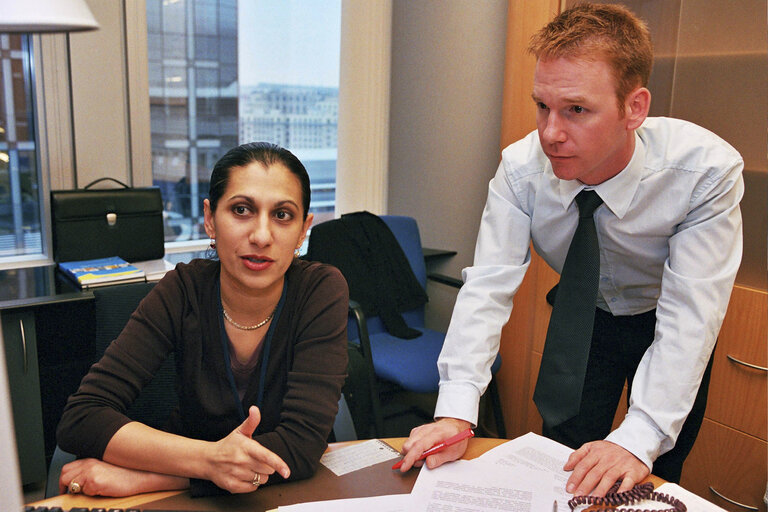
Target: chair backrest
[(382, 260), (406, 231), (113, 307)]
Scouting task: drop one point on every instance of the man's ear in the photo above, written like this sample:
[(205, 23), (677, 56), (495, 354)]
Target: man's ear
[(636, 107)]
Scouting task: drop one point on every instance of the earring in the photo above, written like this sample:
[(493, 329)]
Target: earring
[(213, 243), (297, 253)]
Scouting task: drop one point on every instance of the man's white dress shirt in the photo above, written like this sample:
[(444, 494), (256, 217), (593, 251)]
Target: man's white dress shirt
[(670, 238)]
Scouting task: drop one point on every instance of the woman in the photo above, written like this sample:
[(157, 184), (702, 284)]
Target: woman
[(260, 344)]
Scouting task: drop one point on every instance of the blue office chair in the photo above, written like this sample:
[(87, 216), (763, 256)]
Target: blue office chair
[(395, 362)]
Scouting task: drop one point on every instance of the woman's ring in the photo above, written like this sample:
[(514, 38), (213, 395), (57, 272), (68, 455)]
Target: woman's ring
[(256, 480), (74, 487)]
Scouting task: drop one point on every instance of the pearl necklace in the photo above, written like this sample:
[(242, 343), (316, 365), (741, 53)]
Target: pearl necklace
[(248, 327)]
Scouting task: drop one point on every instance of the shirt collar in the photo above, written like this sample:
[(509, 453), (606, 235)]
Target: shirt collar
[(617, 193)]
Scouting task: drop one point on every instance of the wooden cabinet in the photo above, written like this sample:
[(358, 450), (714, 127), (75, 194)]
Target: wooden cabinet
[(24, 384), (729, 462), (727, 467), (738, 396)]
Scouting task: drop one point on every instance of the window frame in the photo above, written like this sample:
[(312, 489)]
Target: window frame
[(53, 135)]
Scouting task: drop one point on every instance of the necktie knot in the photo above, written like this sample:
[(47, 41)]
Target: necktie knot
[(588, 201)]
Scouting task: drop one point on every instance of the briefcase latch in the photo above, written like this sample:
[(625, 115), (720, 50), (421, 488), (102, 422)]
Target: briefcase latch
[(111, 219)]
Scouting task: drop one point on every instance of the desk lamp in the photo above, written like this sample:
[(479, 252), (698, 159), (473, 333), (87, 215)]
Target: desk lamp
[(45, 16)]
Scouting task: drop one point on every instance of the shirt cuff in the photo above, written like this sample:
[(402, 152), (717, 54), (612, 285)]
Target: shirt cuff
[(640, 439), (460, 401)]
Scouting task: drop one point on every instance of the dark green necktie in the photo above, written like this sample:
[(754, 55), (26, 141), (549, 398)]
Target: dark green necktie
[(564, 361)]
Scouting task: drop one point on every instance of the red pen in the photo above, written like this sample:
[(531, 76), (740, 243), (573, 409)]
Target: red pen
[(464, 434)]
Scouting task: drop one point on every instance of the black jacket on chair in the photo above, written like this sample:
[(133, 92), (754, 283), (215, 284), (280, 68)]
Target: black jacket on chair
[(379, 276)]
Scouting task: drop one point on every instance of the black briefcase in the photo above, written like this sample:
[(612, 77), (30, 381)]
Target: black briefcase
[(98, 223)]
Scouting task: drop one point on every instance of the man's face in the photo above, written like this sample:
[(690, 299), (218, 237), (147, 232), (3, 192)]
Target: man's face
[(580, 127)]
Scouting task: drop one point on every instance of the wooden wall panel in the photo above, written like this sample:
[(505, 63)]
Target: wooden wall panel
[(518, 119)]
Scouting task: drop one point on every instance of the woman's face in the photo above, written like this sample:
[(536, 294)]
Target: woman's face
[(257, 225)]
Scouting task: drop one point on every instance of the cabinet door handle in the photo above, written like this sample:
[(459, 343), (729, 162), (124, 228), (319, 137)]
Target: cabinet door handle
[(23, 344), (749, 365), (747, 507)]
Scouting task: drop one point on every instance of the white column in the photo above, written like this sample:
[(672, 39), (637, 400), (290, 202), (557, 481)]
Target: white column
[(364, 94)]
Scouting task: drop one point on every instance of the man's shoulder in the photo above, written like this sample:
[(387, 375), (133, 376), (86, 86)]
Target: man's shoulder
[(674, 142)]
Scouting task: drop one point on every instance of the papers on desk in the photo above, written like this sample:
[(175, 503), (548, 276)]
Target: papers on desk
[(154, 270), (358, 456), (101, 272), (476, 485), (388, 503), (114, 270), (692, 501), (534, 452), (524, 474)]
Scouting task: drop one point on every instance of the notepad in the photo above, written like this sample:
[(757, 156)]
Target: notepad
[(358, 456), (97, 272)]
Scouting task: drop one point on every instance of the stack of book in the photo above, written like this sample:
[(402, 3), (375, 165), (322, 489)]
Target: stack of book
[(113, 270)]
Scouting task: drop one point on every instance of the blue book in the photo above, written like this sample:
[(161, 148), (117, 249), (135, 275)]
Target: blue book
[(89, 273)]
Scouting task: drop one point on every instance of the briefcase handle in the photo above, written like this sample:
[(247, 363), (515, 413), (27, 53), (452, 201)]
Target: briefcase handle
[(103, 179)]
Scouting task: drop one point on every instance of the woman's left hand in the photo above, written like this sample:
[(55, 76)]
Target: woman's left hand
[(240, 464), (95, 477)]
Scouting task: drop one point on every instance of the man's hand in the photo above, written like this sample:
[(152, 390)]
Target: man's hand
[(426, 436), (598, 465)]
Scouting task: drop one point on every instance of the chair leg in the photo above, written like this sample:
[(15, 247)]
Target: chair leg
[(493, 392)]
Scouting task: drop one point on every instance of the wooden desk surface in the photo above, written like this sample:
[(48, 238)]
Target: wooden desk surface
[(375, 480)]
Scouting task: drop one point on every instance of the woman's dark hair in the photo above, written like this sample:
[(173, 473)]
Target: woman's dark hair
[(265, 153)]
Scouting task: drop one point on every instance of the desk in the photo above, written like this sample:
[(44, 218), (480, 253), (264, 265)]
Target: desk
[(376, 480)]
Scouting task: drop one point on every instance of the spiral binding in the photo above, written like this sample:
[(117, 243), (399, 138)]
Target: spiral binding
[(636, 494)]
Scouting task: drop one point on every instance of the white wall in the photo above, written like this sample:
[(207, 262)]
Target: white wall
[(445, 124)]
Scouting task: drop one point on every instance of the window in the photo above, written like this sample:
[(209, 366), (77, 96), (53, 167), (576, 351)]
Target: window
[(20, 191), (223, 72)]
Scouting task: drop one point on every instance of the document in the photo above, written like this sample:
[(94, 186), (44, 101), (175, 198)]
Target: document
[(388, 503), (477, 486), (358, 456), (534, 452), (692, 501)]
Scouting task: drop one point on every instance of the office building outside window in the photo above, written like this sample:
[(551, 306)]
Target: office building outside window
[(20, 200), (222, 73)]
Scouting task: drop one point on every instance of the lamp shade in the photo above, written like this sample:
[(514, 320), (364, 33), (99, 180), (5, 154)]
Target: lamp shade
[(45, 16)]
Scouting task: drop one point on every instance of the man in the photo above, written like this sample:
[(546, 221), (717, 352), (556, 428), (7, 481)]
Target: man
[(669, 233)]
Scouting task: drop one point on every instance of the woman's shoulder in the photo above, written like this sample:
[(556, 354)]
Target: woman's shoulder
[(313, 269), (198, 268), (190, 279), (312, 273)]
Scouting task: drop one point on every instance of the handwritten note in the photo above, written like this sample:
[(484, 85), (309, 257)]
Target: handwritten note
[(358, 456)]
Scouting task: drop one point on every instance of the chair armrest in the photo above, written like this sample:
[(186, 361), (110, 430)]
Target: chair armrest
[(443, 279), (356, 310)]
